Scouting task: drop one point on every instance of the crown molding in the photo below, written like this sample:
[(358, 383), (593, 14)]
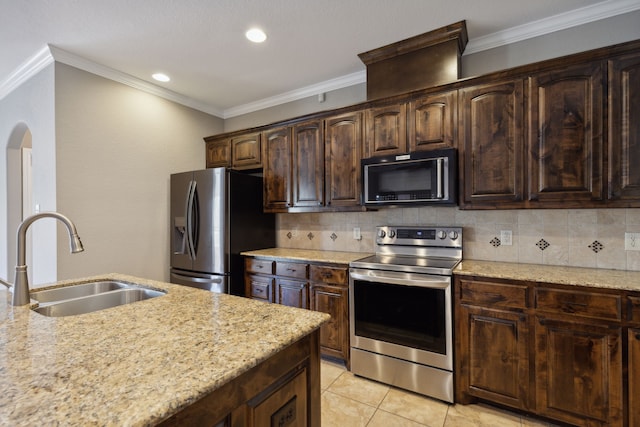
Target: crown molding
[(109, 73), (25, 71), (294, 95), (552, 24)]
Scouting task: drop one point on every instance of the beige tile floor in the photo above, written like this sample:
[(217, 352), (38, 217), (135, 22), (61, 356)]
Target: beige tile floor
[(351, 401)]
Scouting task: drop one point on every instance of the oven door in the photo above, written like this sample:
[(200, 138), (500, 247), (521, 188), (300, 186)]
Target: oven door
[(402, 315)]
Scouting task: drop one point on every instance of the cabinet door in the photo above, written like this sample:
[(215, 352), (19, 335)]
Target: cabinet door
[(308, 164), (579, 372), (494, 355), (277, 169), (293, 293), (385, 130), (246, 151), (565, 135), (624, 128), (432, 121), (343, 151), (492, 141), (334, 335), (634, 377), (259, 287), (219, 153)]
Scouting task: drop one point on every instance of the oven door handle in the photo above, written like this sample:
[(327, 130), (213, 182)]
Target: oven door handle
[(423, 281)]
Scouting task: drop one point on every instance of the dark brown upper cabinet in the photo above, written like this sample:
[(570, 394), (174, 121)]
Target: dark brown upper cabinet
[(218, 152), (242, 151), (565, 135), (343, 151), (432, 121), (492, 139), (624, 128), (385, 130), (246, 151), (308, 164), (277, 169)]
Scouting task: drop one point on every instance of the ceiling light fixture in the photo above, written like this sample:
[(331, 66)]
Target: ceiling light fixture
[(256, 35), (161, 77)]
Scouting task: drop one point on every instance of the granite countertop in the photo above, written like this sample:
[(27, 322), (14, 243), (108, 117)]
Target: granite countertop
[(576, 276), (334, 257), (139, 363)]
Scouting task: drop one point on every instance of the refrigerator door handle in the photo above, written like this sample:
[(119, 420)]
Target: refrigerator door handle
[(196, 279), (190, 226)]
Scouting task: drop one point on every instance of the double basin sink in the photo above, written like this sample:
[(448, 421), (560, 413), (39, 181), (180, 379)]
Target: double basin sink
[(89, 297)]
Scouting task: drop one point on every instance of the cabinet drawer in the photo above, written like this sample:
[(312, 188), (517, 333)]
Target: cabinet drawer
[(587, 304), (258, 265), (633, 304), (260, 288), (493, 294), (292, 269), (336, 275)]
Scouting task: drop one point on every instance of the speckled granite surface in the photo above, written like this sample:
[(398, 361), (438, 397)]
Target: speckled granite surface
[(599, 278), (136, 364), (308, 255)]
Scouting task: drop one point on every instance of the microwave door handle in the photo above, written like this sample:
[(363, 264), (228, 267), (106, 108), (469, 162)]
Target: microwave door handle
[(439, 179)]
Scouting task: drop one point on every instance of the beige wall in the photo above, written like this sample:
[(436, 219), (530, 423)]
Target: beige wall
[(115, 149), (29, 108)]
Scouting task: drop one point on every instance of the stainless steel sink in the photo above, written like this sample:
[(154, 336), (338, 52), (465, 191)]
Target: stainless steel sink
[(76, 291), (90, 297)]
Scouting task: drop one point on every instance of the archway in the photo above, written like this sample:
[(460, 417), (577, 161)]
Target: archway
[(19, 200)]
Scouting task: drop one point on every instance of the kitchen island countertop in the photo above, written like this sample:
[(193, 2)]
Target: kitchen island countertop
[(135, 364), (573, 276)]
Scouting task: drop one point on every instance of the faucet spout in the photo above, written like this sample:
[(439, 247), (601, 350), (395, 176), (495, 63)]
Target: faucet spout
[(21, 283)]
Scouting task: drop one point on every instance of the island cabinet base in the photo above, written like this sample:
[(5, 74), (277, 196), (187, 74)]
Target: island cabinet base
[(284, 390)]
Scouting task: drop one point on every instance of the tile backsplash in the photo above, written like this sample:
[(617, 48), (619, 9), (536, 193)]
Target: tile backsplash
[(572, 237)]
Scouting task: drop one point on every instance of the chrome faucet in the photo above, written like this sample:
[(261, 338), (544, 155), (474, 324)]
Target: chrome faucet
[(21, 283)]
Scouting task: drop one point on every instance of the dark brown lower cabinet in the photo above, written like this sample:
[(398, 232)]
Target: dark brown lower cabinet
[(283, 390), (334, 335), (292, 293), (633, 400), (496, 365), (316, 286), (579, 372), (552, 350)]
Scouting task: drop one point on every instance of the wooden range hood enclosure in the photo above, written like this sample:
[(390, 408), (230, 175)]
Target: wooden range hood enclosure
[(419, 62)]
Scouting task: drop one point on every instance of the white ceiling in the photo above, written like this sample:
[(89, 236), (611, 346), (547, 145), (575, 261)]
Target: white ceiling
[(312, 45)]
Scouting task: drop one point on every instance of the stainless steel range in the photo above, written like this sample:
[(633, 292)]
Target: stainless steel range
[(401, 310)]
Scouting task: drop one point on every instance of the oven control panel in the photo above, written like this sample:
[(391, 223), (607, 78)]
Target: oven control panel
[(419, 236)]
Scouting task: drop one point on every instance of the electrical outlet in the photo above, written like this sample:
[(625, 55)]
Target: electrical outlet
[(506, 238), (632, 241), (356, 233)]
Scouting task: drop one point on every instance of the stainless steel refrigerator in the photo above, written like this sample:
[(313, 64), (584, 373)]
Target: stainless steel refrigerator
[(215, 215)]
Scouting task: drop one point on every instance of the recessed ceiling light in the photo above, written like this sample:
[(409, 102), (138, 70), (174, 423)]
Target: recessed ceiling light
[(161, 77), (256, 35)]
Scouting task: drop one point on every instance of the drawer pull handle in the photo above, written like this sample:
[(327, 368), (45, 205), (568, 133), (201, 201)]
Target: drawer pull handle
[(293, 270), (581, 304), (260, 266)]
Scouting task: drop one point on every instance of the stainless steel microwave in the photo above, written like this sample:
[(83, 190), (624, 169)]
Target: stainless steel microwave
[(418, 178)]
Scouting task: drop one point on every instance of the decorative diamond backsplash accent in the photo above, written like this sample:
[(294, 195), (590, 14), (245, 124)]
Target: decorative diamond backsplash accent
[(289, 235), (310, 236), (495, 242), (543, 244), (596, 246), (333, 236)]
